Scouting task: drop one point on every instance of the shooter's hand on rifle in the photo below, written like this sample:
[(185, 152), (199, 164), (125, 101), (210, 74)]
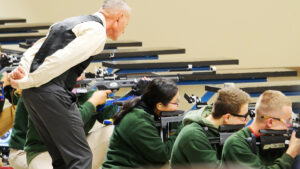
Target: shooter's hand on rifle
[(99, 97), (140, 86), (294, 146)]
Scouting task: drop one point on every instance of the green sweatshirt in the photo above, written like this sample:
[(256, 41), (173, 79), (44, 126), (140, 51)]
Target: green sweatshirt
[(192, 146), (237, 150), (136, 142), (18, 134)]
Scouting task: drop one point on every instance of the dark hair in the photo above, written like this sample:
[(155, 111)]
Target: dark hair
[(158, 90), (229, 100)]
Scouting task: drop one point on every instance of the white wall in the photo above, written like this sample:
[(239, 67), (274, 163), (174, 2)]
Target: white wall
[(261, 33)]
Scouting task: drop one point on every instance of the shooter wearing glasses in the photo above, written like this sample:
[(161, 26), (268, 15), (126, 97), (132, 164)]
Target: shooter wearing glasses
[(192, 146)]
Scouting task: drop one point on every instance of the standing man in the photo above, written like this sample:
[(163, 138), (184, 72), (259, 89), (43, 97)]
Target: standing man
[(48, 72)]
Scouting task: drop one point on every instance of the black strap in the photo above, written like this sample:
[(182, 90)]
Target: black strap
[(252, 143), (212, 140), (205, 128)]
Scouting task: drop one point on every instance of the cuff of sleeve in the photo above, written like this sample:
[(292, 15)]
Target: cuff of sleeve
[(287, 158), (23, 83), (89, 106)]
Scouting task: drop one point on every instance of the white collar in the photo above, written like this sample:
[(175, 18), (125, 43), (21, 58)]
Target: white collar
[(101, 16)]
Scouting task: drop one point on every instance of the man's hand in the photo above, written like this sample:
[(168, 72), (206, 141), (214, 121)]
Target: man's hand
[(294, 147), (99, 97), (14, 83), (17, 74), (139, 88), (14, 76)]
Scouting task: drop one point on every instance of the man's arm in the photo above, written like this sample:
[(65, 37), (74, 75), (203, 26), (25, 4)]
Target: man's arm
[(89, 37), (24, 65), (29, 54)]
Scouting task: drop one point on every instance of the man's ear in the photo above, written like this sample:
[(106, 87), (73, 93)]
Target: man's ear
[(115, 25), (119, 15)]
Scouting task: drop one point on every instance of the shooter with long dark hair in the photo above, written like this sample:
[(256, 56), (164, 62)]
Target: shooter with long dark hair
[(136, 141)]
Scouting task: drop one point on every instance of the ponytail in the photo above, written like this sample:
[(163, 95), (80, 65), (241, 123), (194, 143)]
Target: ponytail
[(127, 107)]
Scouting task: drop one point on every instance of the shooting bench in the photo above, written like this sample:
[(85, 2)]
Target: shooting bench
[(136, 53), (23, 27), (163, 65), (11, 20), (108, 45)]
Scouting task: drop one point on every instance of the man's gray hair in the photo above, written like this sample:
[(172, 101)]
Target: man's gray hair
[(115, 5)]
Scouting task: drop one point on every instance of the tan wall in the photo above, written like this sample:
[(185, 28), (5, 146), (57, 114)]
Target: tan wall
[(261, 33)]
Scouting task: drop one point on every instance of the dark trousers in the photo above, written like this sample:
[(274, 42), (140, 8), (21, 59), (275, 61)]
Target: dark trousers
[(54, 113)]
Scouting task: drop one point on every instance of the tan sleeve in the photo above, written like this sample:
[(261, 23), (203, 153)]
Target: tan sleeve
[(30, 53), (90, 36)]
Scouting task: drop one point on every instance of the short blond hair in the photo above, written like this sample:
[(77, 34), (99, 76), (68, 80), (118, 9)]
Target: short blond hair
[(229, 100), (271, 101)]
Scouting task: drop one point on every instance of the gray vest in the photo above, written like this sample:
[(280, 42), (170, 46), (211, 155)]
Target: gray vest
[(60, 35)]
